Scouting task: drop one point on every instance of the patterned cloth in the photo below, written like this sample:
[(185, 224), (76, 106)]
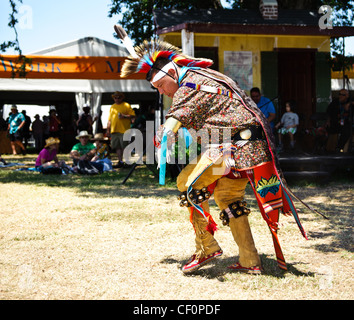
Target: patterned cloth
[(285, 131), (206, 112), (103, 151), (15, 120)]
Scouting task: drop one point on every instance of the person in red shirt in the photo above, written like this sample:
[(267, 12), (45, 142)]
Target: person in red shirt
[(54, 123)]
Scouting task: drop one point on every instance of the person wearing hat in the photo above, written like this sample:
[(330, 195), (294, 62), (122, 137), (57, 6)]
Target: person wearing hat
[(120, 117), (102, 148), (102, 151), (48, 155), (82, 154), (85, 149), (15, 124)]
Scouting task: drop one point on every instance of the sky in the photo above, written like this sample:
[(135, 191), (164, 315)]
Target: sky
[(45, 23)]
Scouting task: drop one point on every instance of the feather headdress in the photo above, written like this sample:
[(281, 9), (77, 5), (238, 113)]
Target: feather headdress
[(142, 57)]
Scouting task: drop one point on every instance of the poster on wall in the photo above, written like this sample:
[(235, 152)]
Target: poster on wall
[(238, 66)]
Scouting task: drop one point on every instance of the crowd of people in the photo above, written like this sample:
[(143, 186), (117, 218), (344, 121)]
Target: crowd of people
[(336, 132), (90, 155), (95, 153), (20, 128)]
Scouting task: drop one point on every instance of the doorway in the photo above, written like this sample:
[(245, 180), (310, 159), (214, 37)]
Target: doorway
[(296, 81)]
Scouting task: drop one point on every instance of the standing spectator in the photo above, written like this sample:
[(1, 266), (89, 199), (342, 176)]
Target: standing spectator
[(3, 123), (26, 128), (142, 119), (264, 104), (120, 117), (15, 125), (54, 123), (45, 127), (37, 131), (339, 122), (85, 121), (7, 119), (99, 128)]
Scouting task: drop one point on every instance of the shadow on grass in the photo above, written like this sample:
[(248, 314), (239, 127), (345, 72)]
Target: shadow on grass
[(142, 182), (218, 268), (339, 227)]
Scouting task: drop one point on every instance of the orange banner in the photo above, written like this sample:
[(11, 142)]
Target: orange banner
[(339, 74), (52, 67)]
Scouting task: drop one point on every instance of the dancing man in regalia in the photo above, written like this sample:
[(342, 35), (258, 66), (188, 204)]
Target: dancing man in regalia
[(204, 100)]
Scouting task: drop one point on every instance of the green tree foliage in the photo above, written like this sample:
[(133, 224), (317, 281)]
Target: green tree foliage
[(138, 17), (22, 61), (12, 24)]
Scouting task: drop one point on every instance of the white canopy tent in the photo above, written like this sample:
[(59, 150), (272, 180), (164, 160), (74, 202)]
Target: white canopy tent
[(88, 46), (88, 91), (66, 93)]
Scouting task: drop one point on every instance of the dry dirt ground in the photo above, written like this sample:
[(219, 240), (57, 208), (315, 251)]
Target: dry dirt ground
[(75, 237)]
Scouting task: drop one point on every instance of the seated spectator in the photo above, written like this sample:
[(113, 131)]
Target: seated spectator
[(82, 154), (264, 104), (288, 124), (339, 122), (102, 151), (47, 160), (2, 160)]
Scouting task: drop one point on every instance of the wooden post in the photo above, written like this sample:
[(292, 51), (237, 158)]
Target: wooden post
[(187, 42)]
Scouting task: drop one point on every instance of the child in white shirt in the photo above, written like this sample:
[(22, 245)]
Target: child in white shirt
[(288, 124)]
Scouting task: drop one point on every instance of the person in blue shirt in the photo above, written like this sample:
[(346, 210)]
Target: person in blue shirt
[(264, 104), (16, 122)]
